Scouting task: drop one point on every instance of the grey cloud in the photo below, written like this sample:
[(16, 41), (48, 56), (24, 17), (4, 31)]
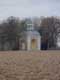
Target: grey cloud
[(28, 8)]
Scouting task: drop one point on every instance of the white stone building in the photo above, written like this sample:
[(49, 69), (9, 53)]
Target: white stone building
[(30, 39)]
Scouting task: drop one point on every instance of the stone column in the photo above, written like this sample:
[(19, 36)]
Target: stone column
[(39, 43), (28, 43)]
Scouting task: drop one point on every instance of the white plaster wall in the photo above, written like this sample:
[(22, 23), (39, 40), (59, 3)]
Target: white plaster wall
[(28, 43), (32, 35), (39, 43)]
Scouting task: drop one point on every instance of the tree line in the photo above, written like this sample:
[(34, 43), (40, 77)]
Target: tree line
[(48, 27)]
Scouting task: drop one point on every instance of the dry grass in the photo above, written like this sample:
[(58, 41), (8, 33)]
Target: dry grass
[(38, 65)]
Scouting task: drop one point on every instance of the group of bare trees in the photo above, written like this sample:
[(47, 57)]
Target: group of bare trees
[(49, 30), (48, 27), (10, 30)]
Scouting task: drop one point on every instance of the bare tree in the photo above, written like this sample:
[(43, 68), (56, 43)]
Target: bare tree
[(49, 30)]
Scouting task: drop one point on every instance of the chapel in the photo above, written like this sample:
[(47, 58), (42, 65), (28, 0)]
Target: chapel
[(30, 39)]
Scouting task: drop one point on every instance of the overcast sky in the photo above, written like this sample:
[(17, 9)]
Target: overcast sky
[(29, 8)]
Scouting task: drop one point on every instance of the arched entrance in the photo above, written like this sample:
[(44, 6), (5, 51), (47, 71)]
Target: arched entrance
[(33, 44)]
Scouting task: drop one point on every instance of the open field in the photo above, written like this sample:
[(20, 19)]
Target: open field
[(22, 65)]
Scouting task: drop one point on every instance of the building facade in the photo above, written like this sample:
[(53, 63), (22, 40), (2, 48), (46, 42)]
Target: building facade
[(30, 39)]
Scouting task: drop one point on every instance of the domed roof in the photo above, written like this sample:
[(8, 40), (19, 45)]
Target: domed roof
[(34, 32), (30, 30), (30, 33)]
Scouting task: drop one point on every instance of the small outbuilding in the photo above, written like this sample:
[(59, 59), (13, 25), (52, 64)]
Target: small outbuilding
[(30, 39)]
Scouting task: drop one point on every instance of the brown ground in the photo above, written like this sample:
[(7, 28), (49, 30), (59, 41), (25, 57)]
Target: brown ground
[(39, 65)]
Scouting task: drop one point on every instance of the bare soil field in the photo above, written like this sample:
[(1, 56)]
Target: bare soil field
[(26, 65)]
